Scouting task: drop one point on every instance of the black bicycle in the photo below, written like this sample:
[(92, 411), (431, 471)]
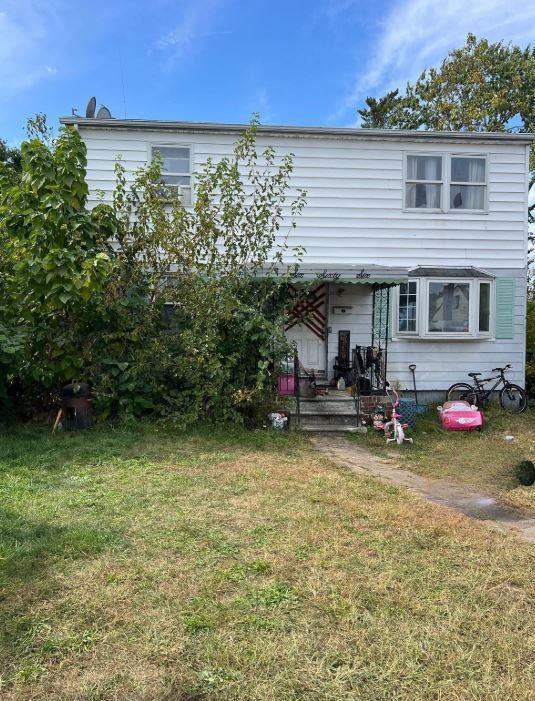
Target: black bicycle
[(512, 397)]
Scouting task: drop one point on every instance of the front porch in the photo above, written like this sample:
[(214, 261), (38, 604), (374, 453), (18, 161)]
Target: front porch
[(339, 326), (342, 321)]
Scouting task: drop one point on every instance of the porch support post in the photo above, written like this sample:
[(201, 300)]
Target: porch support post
[(381, 325)]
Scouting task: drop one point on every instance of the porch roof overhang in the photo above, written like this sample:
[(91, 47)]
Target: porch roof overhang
[(467, 272), (351, 274)]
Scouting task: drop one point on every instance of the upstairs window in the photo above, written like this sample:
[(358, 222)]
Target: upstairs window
[(445, 182), (176, 169), (423, 182), (467, 182)]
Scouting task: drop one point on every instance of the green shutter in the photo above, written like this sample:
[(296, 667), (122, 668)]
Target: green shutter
[(505, 302)]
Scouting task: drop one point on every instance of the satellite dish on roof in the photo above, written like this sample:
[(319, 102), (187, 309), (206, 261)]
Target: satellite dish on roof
[(90, 109), (103, 113)]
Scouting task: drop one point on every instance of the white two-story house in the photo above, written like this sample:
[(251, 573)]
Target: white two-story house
[(416, 241)]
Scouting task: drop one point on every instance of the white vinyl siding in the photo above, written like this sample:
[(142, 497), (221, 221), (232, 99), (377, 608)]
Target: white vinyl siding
[(355, 209), (356, 214)]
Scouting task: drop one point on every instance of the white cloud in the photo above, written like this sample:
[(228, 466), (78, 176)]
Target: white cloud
[(27, 31), (194, 26), (261, 104), (417, 34)]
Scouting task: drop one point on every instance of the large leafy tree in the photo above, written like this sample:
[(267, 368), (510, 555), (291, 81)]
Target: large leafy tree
[(481, 86), (54, 259), (163, 309)]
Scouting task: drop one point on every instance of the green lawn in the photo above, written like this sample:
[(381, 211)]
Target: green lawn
[(483, 460), (147, 564)]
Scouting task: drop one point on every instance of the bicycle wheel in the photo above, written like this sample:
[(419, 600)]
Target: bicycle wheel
[(513, 399), (462, 392)]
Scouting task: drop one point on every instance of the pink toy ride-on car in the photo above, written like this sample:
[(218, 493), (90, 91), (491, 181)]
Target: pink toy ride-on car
[(460, 416)]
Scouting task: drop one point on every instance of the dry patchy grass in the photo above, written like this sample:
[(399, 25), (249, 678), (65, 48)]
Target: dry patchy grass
[(148, 565), (483, 460)]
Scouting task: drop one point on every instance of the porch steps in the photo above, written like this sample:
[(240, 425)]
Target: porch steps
[(332, 413)]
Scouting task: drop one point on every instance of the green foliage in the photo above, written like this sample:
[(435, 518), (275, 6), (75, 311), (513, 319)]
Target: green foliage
[(184, 295), (530, 347), (482, 86), (10, 157), (525, 473), (164, 310), (56, 257)]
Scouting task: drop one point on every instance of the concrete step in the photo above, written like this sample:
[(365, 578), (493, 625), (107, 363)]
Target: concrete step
[(333, 409), (333, 396), (328, 419), (333, 428)]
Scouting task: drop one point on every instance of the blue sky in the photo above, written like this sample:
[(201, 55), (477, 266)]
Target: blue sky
[(295, 62)]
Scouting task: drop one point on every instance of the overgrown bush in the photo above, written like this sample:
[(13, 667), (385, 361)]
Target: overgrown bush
[(164, 310)]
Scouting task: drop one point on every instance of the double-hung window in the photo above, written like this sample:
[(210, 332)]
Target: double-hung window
[(445, 308), (408, 307), (445, 182), (423, 182), (467, 182), (176, 170)]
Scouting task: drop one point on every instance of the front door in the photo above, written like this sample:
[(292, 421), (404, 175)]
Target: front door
[(305, 328), (310, 348)]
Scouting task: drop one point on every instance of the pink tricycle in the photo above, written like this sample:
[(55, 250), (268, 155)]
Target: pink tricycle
[(394, 429), (460, 416)]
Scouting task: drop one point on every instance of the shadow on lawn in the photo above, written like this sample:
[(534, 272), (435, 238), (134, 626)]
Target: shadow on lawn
[(28, 547), (30, 550)]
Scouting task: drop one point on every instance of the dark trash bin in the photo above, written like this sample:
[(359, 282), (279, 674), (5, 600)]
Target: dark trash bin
[(76, 405)]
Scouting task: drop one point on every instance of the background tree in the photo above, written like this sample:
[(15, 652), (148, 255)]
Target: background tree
[(10, 156), (482, 86)]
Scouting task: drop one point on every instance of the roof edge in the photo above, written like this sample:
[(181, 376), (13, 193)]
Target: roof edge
[(345, 132)]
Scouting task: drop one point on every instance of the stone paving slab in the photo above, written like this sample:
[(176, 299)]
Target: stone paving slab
[(482, 507)]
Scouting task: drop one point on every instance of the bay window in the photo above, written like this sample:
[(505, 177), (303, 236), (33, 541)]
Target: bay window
[(437, 308)]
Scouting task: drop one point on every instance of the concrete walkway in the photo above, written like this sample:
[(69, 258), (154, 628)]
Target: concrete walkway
[(471, 503)]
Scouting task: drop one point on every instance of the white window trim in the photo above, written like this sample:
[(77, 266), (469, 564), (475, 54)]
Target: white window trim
[(151, 146), (406, 181), (395, 306), (422, 312), (492, 312), (445, 183), (480, 156)]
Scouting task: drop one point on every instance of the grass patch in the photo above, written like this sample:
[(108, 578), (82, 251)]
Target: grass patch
[(481, 459), (219, 564)]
